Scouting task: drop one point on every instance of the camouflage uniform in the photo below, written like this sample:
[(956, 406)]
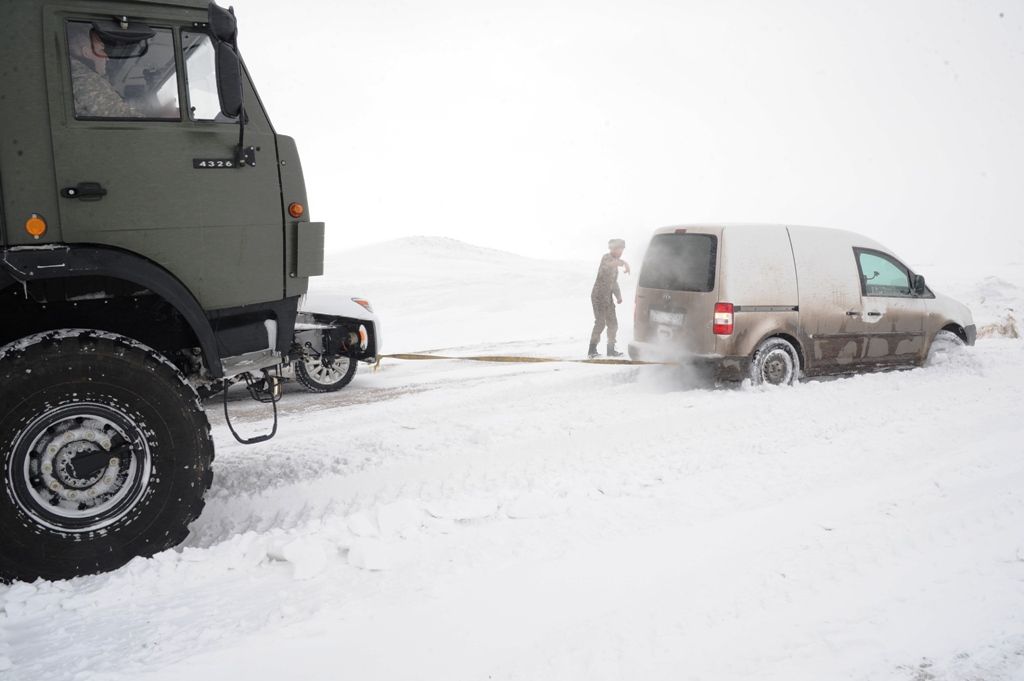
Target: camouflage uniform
[(606, 287), (95, 97)]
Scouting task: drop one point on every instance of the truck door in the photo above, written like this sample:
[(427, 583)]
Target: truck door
[(144, 162)]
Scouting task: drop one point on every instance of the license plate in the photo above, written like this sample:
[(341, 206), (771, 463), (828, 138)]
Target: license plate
[(667, 318)]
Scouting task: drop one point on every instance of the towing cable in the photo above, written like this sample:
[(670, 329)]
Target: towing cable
[(509, 359)]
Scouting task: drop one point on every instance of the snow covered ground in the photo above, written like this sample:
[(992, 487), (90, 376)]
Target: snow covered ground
[(451, 520)]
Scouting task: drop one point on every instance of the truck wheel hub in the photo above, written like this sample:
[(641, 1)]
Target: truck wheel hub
[(70, 472), (62, 466)]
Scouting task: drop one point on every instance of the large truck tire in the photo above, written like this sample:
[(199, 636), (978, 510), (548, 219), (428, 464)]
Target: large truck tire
[(105, 454), (319, 376)]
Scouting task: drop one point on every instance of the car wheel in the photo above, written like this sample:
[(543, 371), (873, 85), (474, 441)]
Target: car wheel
[(325, 376), (775, 362), (945, 345)]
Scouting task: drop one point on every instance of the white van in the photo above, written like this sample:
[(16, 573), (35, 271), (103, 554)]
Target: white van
[(774, 302)]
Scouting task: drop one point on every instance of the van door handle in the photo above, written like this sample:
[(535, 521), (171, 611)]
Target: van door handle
[(86, 191), (852, 313), (874, 314)]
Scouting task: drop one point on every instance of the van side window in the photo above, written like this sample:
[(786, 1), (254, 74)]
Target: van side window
[(201, 76), (882, 276), (122, 75)]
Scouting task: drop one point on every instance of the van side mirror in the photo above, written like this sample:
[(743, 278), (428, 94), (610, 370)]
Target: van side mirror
[(918, 284)]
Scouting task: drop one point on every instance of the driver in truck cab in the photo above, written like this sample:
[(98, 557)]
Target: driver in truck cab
[(95, 96)]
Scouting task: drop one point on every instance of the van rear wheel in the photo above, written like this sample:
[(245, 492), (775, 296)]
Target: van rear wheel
[(775, 362)]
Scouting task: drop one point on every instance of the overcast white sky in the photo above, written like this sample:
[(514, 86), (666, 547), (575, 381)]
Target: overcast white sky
[(547, 126)]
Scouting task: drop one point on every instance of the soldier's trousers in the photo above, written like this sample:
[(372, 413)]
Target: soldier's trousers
[(604, 315)]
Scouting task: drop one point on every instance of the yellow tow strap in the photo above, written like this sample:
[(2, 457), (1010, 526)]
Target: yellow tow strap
[(519, 360)]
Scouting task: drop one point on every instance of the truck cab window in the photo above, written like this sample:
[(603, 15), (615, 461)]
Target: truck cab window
[(882, 276), (116, 77), (201, 76)]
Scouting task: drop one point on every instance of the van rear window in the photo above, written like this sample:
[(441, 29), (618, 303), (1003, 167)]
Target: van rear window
[(680, 262)]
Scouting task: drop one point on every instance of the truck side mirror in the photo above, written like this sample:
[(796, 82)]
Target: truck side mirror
[(229, 80), (224, 29), (223, 24), (919, 287)]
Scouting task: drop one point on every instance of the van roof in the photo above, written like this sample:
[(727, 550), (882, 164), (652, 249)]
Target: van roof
[(719, 227)]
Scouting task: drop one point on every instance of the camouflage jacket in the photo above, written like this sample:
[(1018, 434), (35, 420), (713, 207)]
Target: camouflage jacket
[(607, 283), (95, 97)]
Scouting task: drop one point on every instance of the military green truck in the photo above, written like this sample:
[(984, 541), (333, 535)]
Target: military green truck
[(154, 247)]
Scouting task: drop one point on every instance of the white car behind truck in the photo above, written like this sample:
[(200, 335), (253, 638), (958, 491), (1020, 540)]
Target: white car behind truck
[(323, 373)]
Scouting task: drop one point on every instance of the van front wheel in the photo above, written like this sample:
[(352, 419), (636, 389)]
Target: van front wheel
[(775, 362)]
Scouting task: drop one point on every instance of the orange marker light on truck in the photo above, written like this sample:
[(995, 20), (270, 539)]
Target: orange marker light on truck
[(35, 226), (725, 319), (296, 210)]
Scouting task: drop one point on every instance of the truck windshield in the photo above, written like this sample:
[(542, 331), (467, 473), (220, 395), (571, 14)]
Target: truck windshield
[(680, 262)]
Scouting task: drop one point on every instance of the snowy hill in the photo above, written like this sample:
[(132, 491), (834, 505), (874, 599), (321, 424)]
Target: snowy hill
[(433, 292)]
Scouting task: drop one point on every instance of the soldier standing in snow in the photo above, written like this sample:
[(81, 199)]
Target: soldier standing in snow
[(606, 295)]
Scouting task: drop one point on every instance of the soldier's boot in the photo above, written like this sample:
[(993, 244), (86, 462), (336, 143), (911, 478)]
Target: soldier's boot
[(592, 352), (612, 352)]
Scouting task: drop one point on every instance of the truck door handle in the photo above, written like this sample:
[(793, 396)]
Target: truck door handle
[(86, 191)]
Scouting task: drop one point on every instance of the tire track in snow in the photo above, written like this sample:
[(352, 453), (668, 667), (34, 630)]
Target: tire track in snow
[(682, 466)]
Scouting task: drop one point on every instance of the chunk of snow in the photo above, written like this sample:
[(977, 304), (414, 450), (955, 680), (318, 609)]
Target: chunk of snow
[(463, 509), (398, 518), (534, 506), (308, 556), (362, 524), (375, 554)]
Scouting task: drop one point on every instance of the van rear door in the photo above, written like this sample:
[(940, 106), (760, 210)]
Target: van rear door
[(677, 291)]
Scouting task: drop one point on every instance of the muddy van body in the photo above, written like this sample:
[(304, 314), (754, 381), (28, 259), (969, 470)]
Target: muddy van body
[(774, 302)]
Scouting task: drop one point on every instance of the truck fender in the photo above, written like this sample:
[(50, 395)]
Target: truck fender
[(36, 263)]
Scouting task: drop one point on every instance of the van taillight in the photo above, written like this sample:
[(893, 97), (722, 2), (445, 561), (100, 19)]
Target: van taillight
[(724, 319)]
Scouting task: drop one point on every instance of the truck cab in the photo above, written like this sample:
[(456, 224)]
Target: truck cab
[(120, 175), (155, 243)]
